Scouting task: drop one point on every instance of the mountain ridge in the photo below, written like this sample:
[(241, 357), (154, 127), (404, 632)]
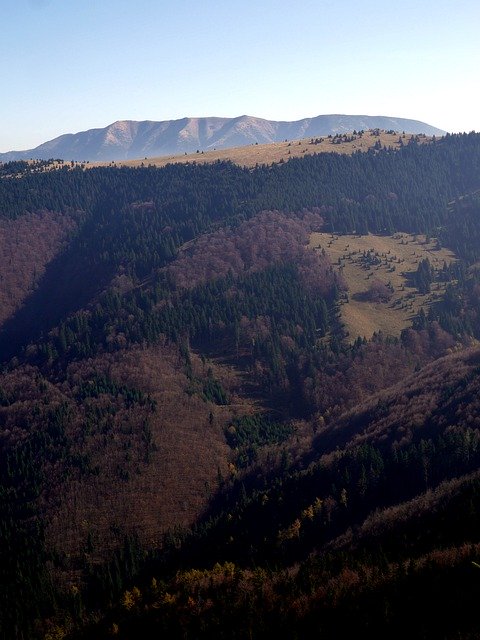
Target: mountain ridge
[(131, 139)]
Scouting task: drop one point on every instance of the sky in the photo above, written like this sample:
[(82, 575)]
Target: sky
[(72, 65)]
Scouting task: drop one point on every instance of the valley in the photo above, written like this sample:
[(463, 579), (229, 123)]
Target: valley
[(241, 395)]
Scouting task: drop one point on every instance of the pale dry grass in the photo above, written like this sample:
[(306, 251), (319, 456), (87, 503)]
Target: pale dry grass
[(249, 156), (400, 256), (259, 154)]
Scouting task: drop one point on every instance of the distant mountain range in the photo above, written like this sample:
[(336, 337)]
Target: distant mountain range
[(129, 139)]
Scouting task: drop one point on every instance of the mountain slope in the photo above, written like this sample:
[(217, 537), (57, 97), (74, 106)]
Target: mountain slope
[(128, 139), (378, 532), (174, 357)]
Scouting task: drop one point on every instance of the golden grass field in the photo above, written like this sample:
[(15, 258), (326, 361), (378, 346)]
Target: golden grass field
[(400, 255), (261, 154), (249, 156)]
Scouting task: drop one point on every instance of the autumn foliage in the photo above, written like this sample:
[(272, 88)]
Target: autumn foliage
[(190, 443)]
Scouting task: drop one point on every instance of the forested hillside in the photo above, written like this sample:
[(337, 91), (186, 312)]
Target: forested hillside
[(190, 440)]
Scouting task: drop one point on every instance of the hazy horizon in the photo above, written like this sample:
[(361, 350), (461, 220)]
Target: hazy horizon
[(71, 67), (213, 116)]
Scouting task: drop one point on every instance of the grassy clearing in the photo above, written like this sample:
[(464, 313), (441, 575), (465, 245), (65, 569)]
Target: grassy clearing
[(397, 257), (258, 154), (249, 156)]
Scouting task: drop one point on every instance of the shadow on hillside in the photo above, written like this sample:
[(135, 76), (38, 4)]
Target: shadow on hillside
[(69, 283)]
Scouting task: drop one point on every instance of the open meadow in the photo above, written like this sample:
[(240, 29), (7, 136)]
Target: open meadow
[(251, 155), (365, 262)]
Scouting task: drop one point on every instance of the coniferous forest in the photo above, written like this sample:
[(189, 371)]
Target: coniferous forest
[(192, 445)]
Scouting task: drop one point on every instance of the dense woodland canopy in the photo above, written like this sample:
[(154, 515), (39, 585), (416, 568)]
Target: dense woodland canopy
[(189, 441)]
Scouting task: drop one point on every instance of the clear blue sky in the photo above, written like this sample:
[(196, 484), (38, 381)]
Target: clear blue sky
[(71, 65)]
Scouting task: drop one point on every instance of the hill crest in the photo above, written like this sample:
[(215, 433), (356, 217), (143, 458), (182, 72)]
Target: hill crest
[(129, 139)]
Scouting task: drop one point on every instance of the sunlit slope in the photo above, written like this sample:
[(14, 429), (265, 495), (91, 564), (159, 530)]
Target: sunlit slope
[(365, 261), (276, 152)]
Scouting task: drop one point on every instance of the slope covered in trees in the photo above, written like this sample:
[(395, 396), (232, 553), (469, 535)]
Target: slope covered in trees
[(188, 442)]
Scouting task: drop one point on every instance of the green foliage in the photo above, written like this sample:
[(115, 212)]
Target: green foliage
[(214, 392), (27, 589), (100, 384), (247, 433), (206, 314), (258, 430), (423, 277)]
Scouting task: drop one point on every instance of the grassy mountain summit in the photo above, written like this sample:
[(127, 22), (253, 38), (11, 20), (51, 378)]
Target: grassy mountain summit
[(254, 154), (128, 139), (238, 399)]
